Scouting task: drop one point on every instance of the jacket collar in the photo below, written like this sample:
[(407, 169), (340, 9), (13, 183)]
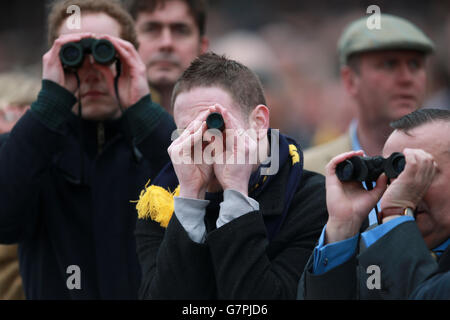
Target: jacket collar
[(271, 190), (272, 198)]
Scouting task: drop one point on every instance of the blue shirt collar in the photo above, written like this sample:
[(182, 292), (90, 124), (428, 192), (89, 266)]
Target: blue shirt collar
[(441, 248)]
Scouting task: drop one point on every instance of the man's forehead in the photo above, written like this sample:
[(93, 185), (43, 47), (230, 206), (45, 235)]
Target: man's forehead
[(169, 12), (190, 102), (204, 95), (432, 137), (94, 22)]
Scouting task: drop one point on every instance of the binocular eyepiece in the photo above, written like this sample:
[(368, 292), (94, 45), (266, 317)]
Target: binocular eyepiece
[(215, 121), (368, 169), (72, 53)]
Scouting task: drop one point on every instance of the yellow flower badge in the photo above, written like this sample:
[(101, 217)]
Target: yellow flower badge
[(157, 204)]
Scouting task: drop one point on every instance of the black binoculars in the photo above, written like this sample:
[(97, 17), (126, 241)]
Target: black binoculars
[(368, 169), (215, 121), (72, 53)]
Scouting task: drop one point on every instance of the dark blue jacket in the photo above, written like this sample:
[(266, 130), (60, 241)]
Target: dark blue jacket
[(437, 286), (65, 191)]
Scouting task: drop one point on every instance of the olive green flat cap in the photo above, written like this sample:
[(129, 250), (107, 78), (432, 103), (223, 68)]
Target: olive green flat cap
[(395, 33)]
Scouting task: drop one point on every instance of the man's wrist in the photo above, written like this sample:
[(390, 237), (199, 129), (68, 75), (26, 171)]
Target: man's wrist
[(389, 218), (390, 213), (234, 205), (340, 230), (241, 189), (192, 193)]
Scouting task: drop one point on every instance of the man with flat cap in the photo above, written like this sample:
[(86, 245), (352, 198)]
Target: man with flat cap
[(383, 70)]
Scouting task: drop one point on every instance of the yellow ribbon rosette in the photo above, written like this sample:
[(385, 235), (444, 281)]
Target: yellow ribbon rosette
[(157, 204)]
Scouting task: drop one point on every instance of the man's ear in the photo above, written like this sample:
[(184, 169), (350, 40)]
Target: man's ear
[(204, 45), (350, 80), (259, 120)]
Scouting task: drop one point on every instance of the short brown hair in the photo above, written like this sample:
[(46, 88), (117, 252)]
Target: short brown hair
[(420, 117), (212, 70), (198, 9), (113, 8)]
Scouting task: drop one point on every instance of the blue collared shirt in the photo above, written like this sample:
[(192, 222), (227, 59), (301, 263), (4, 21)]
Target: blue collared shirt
[(439, 250), (329, 256)]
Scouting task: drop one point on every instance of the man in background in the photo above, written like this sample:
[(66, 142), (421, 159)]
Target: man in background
[(383, 70), (171, 33)]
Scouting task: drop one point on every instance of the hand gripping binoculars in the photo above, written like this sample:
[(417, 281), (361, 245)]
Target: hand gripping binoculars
[(368, 169), (72, 53)]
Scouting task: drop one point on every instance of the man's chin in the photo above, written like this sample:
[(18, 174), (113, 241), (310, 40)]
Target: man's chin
[(405, 108), (97, 113), (163, 79), (400, 110)]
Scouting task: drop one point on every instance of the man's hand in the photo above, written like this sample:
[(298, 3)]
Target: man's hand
[(411, 185), (52, 66), (348, 203), (133, 83), (235, 175), (193, 178)]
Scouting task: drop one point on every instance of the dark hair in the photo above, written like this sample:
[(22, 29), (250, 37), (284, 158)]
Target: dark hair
[(198, 9), (113, 8), (420, 117), (212, 70)]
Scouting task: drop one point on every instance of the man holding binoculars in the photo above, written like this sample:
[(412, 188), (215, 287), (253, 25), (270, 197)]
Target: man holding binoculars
[(384, 73), (70, 167), (414, 219), (223, 229)]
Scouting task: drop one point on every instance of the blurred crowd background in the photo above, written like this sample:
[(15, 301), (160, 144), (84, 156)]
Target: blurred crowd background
[(291, 44)]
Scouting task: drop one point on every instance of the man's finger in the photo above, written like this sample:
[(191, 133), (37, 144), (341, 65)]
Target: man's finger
[(330, 169)]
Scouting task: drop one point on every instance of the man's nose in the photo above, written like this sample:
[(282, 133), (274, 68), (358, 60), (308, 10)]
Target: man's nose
[(88, 71), (404, 73), (166, 39)]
